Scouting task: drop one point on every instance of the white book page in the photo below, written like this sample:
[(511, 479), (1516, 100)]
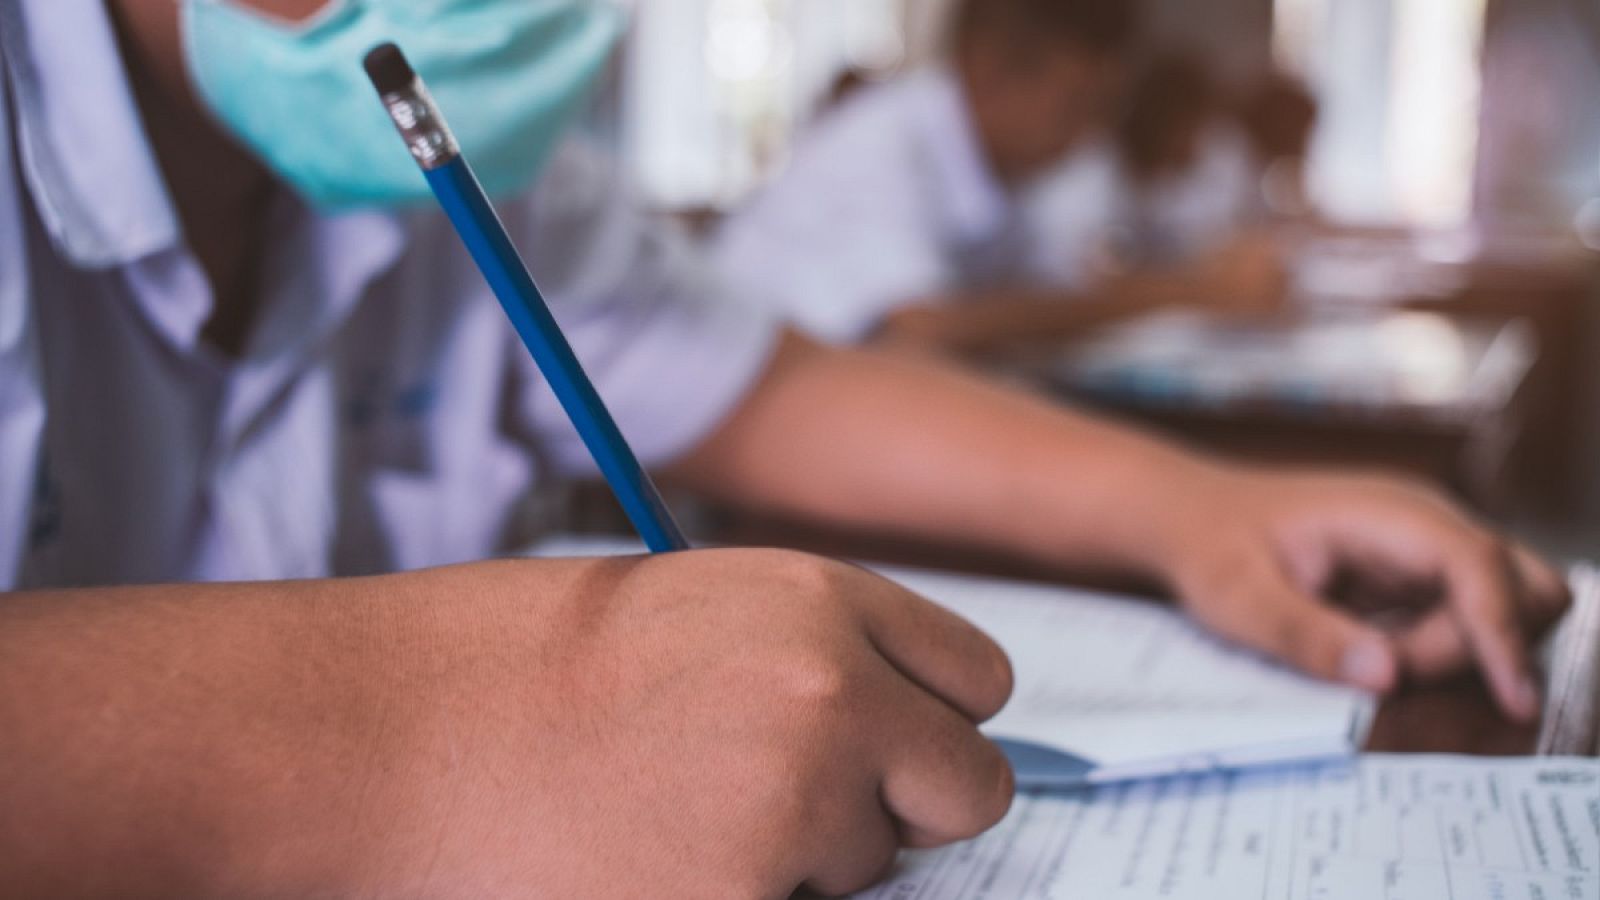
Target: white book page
[(1376, 828), (1132, 685)]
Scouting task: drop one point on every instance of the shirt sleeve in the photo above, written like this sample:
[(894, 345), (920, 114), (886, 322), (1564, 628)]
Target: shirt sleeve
[(21, 400), (844, 236), (669, 348), (1069, 216)]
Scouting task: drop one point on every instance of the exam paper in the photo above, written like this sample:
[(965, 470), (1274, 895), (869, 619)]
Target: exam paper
[(1137, 689), (1374, 828)]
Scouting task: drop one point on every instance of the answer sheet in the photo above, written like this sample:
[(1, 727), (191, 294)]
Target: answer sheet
[(1374, 828)]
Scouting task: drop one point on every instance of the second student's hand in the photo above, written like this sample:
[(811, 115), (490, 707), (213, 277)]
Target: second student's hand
[(1256, 553), (886, 443)]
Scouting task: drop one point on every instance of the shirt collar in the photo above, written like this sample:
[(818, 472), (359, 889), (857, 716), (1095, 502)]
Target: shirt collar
[(976, 205), (319, 269), (85, 156)]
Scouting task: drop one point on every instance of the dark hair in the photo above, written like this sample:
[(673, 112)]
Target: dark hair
[(1098, 26), (1175, 88), (1278, 113)]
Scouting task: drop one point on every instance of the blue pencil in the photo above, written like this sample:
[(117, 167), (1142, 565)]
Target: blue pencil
[(464, 201)]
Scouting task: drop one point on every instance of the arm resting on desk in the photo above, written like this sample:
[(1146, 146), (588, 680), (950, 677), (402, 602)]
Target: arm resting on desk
[(1243, 279), (873, 441), (992, 320)]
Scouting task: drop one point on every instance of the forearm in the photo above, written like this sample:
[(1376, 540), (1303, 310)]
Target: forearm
[(873, 441), (218, 740), (888, 443)]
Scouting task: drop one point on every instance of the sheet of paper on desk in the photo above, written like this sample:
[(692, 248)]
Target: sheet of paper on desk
[(1376, 828), (1131, 689)]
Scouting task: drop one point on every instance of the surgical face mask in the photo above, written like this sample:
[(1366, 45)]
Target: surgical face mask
[(510, 74)]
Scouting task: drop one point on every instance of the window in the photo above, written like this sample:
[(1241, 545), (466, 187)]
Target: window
[(716, 88), (1400, 82)]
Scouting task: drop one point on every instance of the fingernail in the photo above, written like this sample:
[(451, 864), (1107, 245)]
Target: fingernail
[(1368, 664)]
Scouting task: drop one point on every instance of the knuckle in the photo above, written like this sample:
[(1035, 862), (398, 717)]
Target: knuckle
[(1218, 572), (1485, 551), (816, 684), (811, 579), (1224, 608)]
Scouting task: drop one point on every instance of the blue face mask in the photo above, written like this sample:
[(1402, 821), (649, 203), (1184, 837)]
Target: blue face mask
[(509, 73)]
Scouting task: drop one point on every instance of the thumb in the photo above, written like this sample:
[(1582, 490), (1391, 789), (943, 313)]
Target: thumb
[(1261, 608)]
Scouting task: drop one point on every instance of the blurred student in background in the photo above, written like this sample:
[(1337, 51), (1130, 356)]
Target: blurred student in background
[(1173, 190), (1183, 168), (915, 193), (1278, 116)]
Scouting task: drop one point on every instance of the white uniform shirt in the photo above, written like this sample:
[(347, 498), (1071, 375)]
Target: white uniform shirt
[(1088, 218), (1072, 213), (1195, 212), (887, 201), (382, 415)]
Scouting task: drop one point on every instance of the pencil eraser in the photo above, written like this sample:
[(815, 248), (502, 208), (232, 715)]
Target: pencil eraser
[(388, 69)]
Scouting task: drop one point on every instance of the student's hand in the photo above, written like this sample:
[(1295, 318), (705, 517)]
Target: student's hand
[(735, 723), (712, 724), (1264, 550)]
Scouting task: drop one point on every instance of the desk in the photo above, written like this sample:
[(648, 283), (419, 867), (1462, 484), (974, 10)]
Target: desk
[(1424, 394), (1546, 280), (1319, 386), (1458, 718)]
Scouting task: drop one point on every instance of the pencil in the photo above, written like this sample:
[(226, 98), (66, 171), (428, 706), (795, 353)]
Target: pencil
[(458, 191)]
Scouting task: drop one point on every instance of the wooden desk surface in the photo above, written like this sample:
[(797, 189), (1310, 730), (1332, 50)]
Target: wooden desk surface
[(1431, 396), (1458, 717)]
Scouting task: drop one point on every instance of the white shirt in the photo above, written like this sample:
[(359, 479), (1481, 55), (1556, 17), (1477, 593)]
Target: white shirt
[(1089, 204), (888, 201), (382, 415), (1194, 212), (1072, 212)]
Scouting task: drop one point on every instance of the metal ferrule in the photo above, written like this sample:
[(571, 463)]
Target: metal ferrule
[(419, 123)]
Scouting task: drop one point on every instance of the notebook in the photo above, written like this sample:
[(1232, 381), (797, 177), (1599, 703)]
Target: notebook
[(1389, 827), (1113, 688)]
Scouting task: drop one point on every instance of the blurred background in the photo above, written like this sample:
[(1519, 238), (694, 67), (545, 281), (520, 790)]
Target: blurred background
[(1433, 112), (1431, 172)]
